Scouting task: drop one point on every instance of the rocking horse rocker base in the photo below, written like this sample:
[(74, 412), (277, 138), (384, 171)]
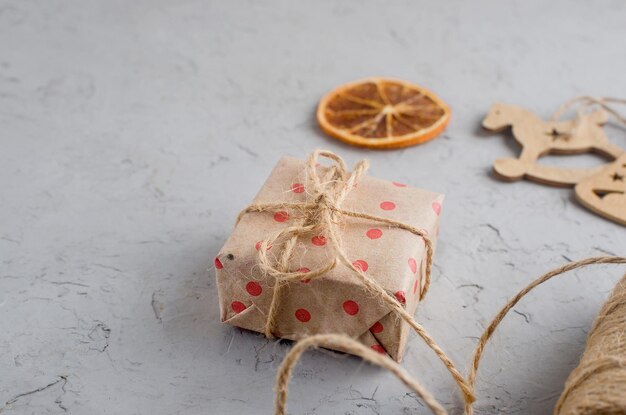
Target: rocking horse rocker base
[(512, 170)]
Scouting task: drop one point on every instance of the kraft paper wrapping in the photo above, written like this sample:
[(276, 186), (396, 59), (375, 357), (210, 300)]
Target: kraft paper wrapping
[(336, 302)]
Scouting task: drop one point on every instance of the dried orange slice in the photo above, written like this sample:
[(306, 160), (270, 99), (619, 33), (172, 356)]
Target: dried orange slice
[(382, 113)]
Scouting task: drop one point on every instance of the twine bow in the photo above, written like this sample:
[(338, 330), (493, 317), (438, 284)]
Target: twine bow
[(322, 215)]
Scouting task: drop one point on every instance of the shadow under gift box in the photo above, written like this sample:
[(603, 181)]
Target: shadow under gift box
[(335, 302)]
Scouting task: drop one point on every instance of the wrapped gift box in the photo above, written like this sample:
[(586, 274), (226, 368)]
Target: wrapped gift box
[(335, 302)]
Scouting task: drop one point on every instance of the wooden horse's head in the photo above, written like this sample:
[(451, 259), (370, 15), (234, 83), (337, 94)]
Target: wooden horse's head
[(501, 116)]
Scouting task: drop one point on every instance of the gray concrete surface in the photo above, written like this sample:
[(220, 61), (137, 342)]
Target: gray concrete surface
[(133, 132)]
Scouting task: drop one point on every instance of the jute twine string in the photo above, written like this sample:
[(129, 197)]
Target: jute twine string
[(586, 102), (593, 363), (598, 384), (491, 328), (356, 348), (322, 216)]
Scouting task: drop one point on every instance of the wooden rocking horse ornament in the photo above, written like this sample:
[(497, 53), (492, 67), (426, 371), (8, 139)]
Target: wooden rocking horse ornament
[(539, 138), (601, 189)]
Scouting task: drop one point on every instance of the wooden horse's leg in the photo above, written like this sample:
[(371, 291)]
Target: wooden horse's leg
[(526, 167), (516, 169)]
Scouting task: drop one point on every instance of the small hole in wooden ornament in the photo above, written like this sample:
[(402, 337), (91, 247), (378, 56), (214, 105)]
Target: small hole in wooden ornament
[(602, 193), (557, 135)]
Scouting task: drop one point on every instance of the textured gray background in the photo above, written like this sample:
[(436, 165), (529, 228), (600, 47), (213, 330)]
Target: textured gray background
[(131, 134)]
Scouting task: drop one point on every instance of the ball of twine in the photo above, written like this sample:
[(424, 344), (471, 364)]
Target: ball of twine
[(598, 385)]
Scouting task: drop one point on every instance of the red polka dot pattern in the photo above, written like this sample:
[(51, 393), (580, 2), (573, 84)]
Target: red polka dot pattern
[(238, 306), (437, 207), (360, 264), (400, 296), (218, 263), (377, 328), (297, 188), (374, 233), (351, 307), (303, 315), (378, 348), (258, 246), (281, 216), (254, 288), (305, 280)]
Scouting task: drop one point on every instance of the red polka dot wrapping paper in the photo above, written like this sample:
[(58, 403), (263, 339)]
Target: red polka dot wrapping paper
[(336, 302)]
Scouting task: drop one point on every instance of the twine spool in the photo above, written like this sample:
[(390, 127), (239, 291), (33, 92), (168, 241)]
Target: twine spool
[(598, 385)]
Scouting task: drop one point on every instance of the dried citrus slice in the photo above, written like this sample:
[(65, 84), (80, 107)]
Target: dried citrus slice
[(382, 113)]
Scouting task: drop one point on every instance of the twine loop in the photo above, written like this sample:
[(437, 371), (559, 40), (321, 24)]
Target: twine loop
[(585, 103)]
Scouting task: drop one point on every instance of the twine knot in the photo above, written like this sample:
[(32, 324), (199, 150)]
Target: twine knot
[(323, 204)]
